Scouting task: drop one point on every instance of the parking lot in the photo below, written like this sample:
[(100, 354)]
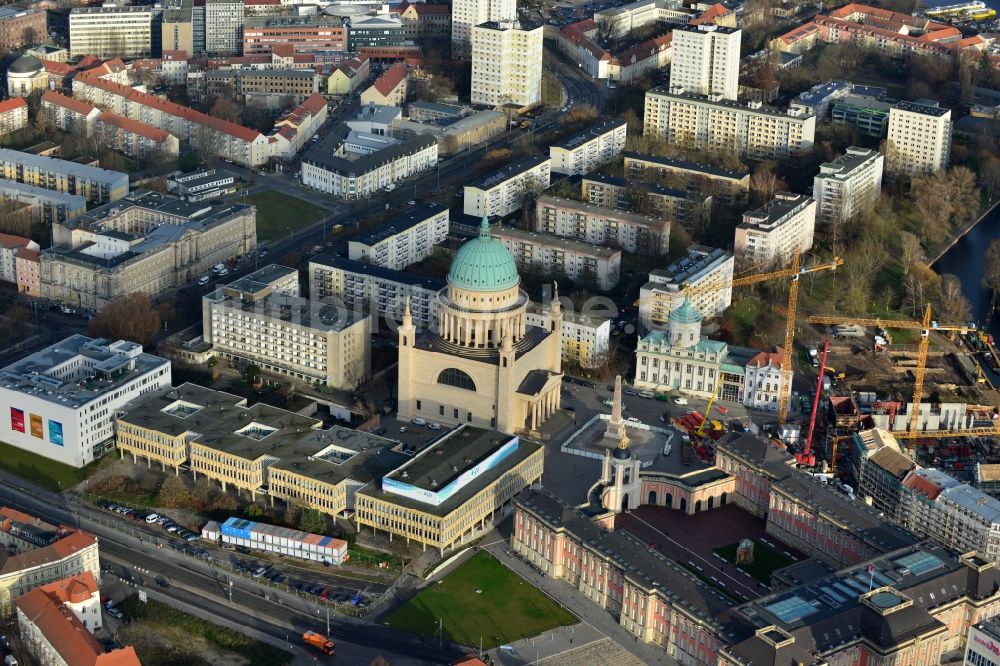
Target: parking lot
[(328, 586)]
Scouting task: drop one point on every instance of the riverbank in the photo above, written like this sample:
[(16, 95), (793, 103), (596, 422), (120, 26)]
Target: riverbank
[(958, 236)]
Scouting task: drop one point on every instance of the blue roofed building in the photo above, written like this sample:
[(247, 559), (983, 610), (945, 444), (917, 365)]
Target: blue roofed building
[(275, 539)]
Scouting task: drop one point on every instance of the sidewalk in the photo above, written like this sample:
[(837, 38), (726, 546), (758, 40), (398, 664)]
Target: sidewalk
[(596, 623)]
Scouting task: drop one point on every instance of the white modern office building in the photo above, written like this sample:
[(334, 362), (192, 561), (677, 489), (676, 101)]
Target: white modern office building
[(919, 138), (503, 192), (596, 225), (261, 319), (223, 26), (112, 31), (506, 64), (668, 287), (403, 241), (846, 186), (706, 60), (60, 402), (587, 265), (590, 148), (383, 292), (586, 338), (776, 231), (466, 14), (705, 122)]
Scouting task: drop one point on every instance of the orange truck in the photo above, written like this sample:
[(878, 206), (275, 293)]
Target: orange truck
[(319, 641)]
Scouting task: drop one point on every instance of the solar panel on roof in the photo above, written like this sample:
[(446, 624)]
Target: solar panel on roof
[(919, 562), (855, 584), (791, 608), (833, 595), (852, 594), (882, 578)]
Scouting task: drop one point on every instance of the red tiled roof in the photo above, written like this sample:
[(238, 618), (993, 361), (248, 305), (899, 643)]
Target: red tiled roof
[(283, 50), (60, 550), (67, 102), (10, 241), (29, 255), (768, 358), (314, 103), (13, 104), (391, 78), (8, 514), (439, 10), (71, 544), (67, 635), (644, 49), (175, 55), (351, 67), (123, 657), (73, 589), (171, 108), (134, 126), (88, 61), (922, 485), (60, 68), (799, 33), (709, 15), (147, 63)]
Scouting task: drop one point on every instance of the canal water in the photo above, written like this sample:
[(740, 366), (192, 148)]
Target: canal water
[(967, 259)]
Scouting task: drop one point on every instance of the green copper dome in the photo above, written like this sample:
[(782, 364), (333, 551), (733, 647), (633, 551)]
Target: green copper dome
[(685, 314), (483, 264)]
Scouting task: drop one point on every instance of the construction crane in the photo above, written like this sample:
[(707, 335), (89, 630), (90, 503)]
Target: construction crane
[(807, 457), (925, 327), (708, 410), (794, 272)]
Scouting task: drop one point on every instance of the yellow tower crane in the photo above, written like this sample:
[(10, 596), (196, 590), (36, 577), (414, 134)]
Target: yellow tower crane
[(794, 272), (708, 410), (925, 327)]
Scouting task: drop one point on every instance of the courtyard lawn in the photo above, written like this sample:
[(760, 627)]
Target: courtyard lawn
[(481, 599), (278, 213), (766, 560), (42, 471)]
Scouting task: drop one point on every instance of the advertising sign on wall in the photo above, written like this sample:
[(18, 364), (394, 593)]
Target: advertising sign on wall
[(36, 426), (55, 432), (17, 419)]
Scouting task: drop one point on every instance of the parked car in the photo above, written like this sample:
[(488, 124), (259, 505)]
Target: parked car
[(152, 518), (680, 401), (203, 280), (114, 612)]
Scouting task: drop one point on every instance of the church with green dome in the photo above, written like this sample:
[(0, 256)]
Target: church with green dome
[(484, 365)]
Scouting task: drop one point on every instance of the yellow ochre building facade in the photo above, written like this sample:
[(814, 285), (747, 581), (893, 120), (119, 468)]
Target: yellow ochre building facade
[(484, 365)]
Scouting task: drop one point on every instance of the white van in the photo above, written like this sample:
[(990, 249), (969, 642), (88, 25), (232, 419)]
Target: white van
[(203, 280), (646, 394), (434, 426), (218, 268), (419, 422), (152, 518)]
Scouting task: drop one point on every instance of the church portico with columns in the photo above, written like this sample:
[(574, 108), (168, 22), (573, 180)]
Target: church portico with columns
[(484, 365)]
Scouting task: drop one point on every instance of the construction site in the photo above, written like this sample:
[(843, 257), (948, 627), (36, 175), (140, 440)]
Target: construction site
[(934, 386)]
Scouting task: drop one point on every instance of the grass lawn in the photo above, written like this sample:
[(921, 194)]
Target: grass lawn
[(481, 599), (164, 635), (42, 471), (276, 212), (766, 560)]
